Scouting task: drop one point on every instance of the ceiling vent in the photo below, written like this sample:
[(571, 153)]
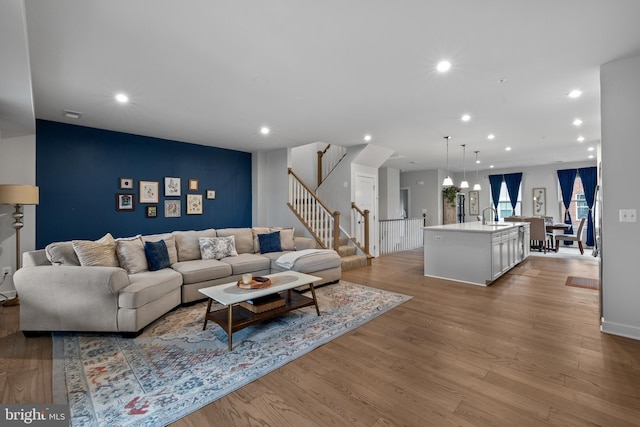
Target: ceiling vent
[(72, 114)]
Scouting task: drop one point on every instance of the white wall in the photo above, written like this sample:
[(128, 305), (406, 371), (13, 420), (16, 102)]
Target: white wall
[(620, 105), (304, 162), (425, 192), (389, 193), (17, 166)]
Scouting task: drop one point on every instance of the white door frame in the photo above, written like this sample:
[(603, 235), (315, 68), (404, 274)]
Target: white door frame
[(373, 214)]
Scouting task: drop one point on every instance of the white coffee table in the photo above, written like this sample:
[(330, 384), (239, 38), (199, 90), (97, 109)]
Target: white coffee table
[(236, 317)]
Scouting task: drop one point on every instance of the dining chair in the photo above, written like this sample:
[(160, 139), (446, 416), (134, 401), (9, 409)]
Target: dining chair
[(577, 237), (537, 232)]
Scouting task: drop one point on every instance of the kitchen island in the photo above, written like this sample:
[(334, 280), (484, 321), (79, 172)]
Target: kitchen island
[(473, 252)]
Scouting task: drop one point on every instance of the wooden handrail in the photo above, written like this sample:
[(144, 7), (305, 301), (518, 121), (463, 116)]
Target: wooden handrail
[(306, 187), (365, 215)]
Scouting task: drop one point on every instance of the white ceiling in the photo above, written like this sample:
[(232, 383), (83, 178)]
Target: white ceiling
[(213, 72)]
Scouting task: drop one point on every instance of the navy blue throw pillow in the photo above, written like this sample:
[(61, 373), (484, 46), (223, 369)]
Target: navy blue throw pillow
[(269, 242), (157, 255)]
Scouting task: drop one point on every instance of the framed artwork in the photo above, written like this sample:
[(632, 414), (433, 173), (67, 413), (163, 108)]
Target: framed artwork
[(171, 186), (172, 208), (124, 202), (193, 185), (126, 183), (152, 211), (194, 204), (211, 194), (539, 201), (148, 192), (474, 206)]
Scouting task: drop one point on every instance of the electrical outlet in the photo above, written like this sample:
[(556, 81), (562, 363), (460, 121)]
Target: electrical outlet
[(6, 271)]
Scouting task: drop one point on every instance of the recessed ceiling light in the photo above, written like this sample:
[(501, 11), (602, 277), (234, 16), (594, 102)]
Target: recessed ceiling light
[(577, 122), (507, 148), (581, 138), (477, 161), (367, 137), (575, 93), (264, 130), (491, 166), (465, 117), (443, 66), (491, 136), (590, 149), (122, 98), (591, 156)]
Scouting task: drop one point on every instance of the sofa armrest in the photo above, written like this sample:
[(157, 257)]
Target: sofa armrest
[(33, 258), (304, 243), (69, 298)]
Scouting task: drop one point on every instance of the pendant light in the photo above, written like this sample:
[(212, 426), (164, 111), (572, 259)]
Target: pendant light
[(448, 182), (464, 183), (477, 187)]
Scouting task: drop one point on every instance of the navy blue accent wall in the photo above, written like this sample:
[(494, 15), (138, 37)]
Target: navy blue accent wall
[(78, 170)]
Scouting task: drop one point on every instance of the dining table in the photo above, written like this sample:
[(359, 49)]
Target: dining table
[(551, 228)]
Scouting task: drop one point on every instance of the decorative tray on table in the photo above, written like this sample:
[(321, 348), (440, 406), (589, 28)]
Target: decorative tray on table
[(257, 282)]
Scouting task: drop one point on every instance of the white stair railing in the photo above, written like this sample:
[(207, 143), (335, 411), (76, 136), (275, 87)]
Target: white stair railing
[(398, 235), (319, 220), (328, 159)]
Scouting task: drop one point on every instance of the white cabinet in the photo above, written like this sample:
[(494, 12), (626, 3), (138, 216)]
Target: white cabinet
[(505, 251)]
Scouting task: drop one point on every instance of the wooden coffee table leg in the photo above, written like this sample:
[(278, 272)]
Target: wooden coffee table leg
[(230, 326), (206, 315), (315, 301)]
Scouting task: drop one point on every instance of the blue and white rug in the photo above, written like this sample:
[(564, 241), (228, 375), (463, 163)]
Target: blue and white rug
[(174, 367)]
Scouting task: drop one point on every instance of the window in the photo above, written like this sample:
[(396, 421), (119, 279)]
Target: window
[(504, 206), (578, 207)]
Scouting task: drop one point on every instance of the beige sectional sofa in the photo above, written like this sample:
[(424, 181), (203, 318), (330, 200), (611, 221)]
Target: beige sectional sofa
[(108, 285)]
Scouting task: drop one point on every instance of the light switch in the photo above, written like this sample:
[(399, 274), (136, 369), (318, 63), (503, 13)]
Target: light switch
[(628, 215)]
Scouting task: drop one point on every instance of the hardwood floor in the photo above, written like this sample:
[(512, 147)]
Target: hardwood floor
[(526, 351)]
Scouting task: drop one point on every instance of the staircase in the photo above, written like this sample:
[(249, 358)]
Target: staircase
[(349, 254)]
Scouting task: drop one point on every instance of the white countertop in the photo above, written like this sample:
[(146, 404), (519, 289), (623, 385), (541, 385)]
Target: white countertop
[(475, 227)]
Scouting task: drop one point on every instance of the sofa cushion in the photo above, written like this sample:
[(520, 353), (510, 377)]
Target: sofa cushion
[(61, 253), (148, 286), (130, 251), (254, 232), (188, 245), (247, 263), (169, 240), (323, 260), (217, 247), (201, 270), (287, 242), (269, 242), (157, 255), (102, 252), (243, 237)]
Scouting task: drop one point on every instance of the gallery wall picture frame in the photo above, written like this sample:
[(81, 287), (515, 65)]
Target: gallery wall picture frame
[(171, 186), (172, 208), (152, 211), (474, 205), (211, 194), (148, 192), (126, 183), (194, 204), (125, 202), (193, 185), (540, 201)]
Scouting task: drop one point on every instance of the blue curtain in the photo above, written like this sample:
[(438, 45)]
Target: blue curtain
[(513, 181), (495, 181), (567, 177), (588, 178)]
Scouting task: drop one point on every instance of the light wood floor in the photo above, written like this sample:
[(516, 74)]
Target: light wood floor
[(526, 351)]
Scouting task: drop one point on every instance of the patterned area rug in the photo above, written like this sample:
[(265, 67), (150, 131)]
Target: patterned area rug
[(583, 282), (174, 368)]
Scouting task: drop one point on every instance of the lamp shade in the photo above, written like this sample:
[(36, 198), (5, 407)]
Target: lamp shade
[(14, 194)]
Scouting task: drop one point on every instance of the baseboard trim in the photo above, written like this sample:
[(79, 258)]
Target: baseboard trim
[(626, 331)]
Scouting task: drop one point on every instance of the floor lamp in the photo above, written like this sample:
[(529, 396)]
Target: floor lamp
[(17, 196)]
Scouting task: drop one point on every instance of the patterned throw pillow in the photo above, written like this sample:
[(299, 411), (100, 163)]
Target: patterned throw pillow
[(102, 252), (270, 242), (157, 255), (217, 247), (130, 252)]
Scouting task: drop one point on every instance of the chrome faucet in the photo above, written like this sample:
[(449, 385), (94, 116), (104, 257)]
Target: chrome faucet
[(484, 217)]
